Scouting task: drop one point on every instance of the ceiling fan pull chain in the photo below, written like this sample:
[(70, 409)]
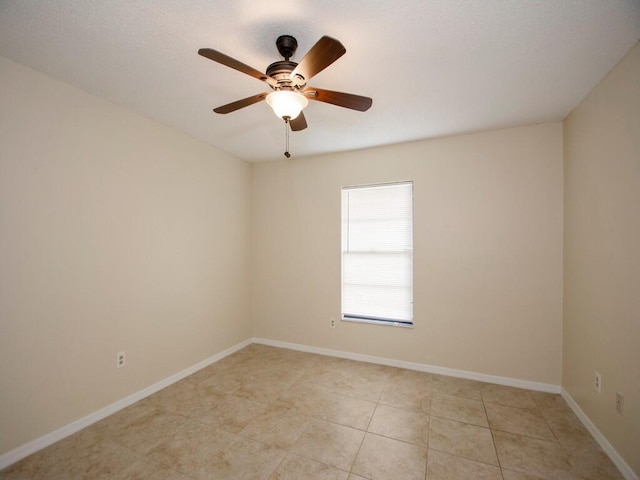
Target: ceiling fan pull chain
[(286, 129)]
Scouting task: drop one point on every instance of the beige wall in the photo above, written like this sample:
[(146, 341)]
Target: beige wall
[(487, 241), (116, 233), (602, 255)]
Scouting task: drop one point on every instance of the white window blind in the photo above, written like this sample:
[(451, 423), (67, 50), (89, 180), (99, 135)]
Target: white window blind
[(377, 253)]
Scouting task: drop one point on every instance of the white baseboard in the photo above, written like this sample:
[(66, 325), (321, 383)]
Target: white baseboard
[(422, 367), (615, 457), (27, 449)]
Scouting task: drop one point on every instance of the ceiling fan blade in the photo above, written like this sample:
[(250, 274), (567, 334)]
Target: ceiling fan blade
[(298, 123), (326, 51), (236, 65), (346, 100), (238, 104)]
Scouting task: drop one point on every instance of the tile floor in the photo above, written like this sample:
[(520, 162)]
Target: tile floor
[(270, 413)]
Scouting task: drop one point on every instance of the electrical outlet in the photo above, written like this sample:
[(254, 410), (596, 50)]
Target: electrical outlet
[(597, 382), (619, 402), (332, 322), (120, 360)]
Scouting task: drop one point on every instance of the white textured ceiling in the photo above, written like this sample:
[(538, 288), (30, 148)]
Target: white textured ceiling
[(432, 67)]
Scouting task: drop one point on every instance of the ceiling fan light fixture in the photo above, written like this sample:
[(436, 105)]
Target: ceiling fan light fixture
[(286, 103)]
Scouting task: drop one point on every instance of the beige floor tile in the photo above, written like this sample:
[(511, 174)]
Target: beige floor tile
[(382, 458), (416, 397), (137, 468), (456, 386), (32, 467), (184, 397), (373, 373), (243, 458), (310, 362), (304, 399), (48, 463), (231, 413), (226, 381), (408, 389), (167, 473), (145, 433), (518, 420), (82, 439), (250, 351), (294, 467), (317, 364), (353, 476), (400, 377), (590, 461), (193, 449), (329, 406), (278, 426), (103, 460), (559, 413), (462, 439), (405, 425), (547, 400), (278, 372), (572, 436), (533, 456), (350, 382), (561, 475), (268, 354), (208, 371), (513, 475), (461, 409), (442, 466), (184, 388), (401, 380), (331, 444), (509, 396), (203, 452), (352, 411), (264, 389), (124, 418), (568, 430)]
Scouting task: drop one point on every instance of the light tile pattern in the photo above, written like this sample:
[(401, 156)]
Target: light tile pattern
[(274, 414)]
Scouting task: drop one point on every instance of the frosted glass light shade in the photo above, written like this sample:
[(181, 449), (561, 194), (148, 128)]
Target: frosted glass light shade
[(286, 103)]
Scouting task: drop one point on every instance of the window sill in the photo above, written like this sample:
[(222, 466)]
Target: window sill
[(386, 323)]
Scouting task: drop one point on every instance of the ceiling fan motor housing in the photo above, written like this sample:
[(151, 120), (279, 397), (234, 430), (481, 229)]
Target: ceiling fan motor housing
[(281, 69)]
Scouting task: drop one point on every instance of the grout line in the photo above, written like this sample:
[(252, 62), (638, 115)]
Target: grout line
[(286, 454), (372, 415), (466, 458), (495, 447), (525, 435), (357, 454)]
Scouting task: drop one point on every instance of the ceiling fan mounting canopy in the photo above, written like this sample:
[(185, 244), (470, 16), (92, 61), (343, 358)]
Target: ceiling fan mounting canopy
[(287, 46), (290, 78)]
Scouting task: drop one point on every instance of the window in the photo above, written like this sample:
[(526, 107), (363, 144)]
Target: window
[(377, 253)]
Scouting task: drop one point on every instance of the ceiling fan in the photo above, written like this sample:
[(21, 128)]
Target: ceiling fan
[(288, 81)]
